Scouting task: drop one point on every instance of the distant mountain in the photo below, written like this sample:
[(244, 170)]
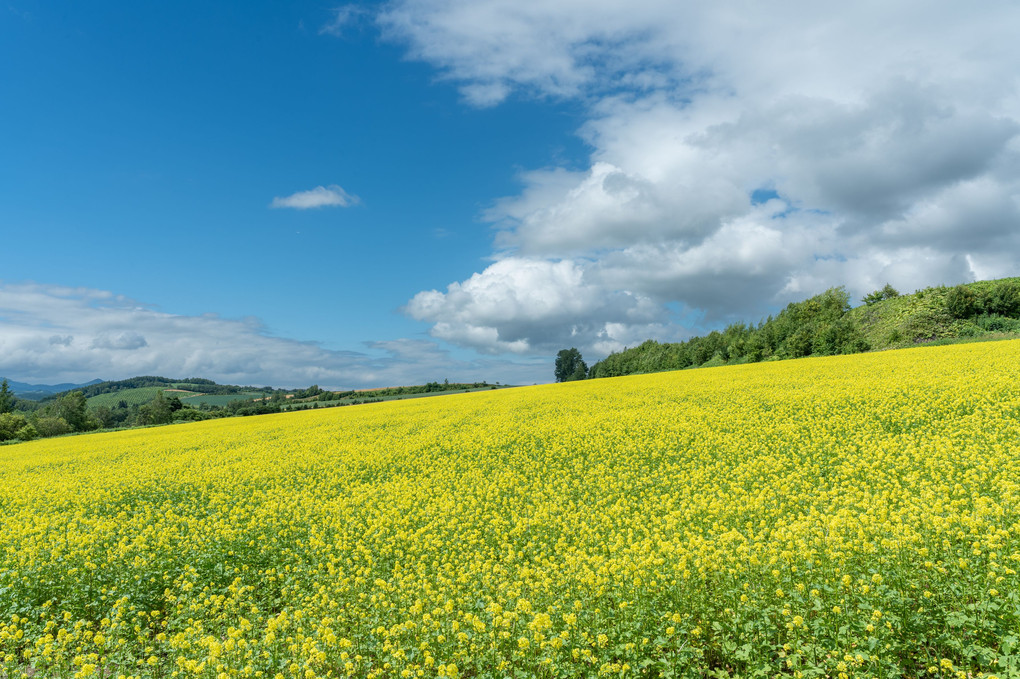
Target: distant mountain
[(35, 392)]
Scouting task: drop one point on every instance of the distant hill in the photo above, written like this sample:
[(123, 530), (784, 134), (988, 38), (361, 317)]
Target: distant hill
[(188, 396), (142, 389), (828, 324), (35, 392)]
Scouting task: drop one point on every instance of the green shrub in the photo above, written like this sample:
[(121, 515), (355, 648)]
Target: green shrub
[(1004, 299), (927, 325), (840, 337), (10, 425), (970, 330), (997, 323), (961, 302), (887, 292), (800, 342), (51, 426)]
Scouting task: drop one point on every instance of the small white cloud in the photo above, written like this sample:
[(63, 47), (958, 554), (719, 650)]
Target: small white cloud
[(320, 196)]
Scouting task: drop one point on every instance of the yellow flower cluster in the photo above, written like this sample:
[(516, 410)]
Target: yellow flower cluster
[(845, 516)]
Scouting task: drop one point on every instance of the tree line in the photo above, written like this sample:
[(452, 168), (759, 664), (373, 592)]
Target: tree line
[(822, 325)]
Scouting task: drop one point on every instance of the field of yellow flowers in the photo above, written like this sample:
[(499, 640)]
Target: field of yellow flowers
[(842, 517)]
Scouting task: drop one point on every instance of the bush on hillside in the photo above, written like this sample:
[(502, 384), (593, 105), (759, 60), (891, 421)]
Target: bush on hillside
[(961, 302), (1004, 299), (997, 323), (887, 292), (10, 425), (51, 426), (839, 337)]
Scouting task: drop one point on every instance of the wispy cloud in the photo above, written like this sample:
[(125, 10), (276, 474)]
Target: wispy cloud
[(51, 334), (343, 18), (320, 196)]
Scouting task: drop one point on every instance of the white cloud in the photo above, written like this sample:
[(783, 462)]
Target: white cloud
[(320, 196), (522, 306), (343, 17), (51, 334), (890, 133)]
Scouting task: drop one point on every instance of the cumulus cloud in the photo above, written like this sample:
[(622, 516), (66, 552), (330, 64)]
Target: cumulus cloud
[(52, 334), (522, 305), (887, 135), (320, 196)]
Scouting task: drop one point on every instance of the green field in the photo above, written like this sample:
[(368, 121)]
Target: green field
[(143, 395), (138, 396), (217, 399)]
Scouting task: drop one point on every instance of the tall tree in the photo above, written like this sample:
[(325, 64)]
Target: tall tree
[(570, 366), (73, 408), (6, 397)]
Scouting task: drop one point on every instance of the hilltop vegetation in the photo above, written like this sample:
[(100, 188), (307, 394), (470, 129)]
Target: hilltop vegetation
[(850, 516), (150, 400), (192, 384), (827, 325)]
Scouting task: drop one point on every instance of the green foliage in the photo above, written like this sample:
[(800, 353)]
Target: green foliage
[(887, 292), (313, 390), (11, 425), (132, 397), (104, 417), (190, 415), (1003, 299), (72, 408), (928, 324), (570, 366), (841, 336), (160, 410), (816, 326), (153, 383), (997, 323), (961, 302), (826, 325), (51, 426)]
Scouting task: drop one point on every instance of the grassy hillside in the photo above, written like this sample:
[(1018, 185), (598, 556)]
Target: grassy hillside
[(139, 391), (137, 396), (827, 324), (194, 384), (195, 400), (942, 313), (846, 516)]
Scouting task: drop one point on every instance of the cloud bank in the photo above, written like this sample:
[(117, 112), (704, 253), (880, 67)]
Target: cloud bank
[(320, 196), (53, 334), (742, 156)]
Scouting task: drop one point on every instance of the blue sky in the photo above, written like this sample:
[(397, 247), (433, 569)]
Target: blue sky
[(518, 178)]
